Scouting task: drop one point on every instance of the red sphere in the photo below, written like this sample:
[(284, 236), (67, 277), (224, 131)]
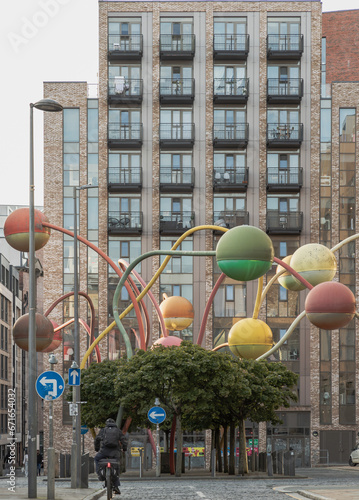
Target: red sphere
[(169, 341), (16, 229), (330, 305), (44, 332), (56, 341)]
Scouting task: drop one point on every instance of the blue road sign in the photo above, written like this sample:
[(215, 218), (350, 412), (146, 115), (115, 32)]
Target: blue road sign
[(50, 385), (156, 415), (74, 376), (84, 429)]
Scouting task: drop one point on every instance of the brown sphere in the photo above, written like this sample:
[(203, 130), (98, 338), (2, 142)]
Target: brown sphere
[(16, 229), (56, 341), (44, 332)]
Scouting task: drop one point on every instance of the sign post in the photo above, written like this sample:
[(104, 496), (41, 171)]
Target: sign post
[(157, 415)]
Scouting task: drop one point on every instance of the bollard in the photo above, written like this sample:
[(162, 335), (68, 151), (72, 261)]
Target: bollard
[(274, 462), (289, 463), (213, 462), (84, 471), (280, 462), (141, 453), (269, 464)]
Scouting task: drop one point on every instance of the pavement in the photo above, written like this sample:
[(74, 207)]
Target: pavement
[(63, 490)]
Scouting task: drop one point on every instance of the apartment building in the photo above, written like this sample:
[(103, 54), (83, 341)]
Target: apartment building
[(206, 113)]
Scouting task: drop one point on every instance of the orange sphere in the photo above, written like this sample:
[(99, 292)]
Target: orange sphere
[(16, 229), (177, 313), (169, 341), (44, 332), (56, 341), (330, 305)]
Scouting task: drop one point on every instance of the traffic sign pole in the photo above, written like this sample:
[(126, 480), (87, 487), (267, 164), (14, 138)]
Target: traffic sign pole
[(158, 458), (157, 415), (51, 449)]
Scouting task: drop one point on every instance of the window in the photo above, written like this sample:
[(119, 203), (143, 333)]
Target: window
[(177, 264), (125, 249), (177, 209), (283, 168), (230, 301), (176, 168), (176, 34), (347, 125), (124, 34), (124, 168), (230, 33), (230, 80), (284, 33), (176, 124)]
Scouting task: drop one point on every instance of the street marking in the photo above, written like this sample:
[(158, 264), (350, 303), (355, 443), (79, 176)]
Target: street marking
[(200, 494)]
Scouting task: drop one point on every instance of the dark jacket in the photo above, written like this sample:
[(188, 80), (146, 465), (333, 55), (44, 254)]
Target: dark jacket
[(110, 452)]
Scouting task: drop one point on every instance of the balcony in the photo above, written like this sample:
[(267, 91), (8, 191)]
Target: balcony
[(284, 222), (225, 180), (124, 180), (121, 91), (176, 223), (230, 90), (179, 91), (179, 136), (230, 47), (284, 135), (234, 135), (284, 47), (230, 218), (281, 91), (289, 180), (177, 47), (176, 180), (128, 223), (125, 136), (125, 47)]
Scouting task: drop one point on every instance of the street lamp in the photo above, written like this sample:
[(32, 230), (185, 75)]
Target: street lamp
[(52, 106), (76, 424)]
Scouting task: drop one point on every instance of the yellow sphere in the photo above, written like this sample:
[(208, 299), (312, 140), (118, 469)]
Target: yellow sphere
[(287, 279), (314, 262), (250, 338)]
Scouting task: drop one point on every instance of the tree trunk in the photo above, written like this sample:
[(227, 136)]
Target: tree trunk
[(172, 446), (232, 442), (179, 446), (243, 464), (218, 449), (225, 449)]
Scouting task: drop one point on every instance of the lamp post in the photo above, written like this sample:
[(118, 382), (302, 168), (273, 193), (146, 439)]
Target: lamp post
[(52, 106), (76, 419)]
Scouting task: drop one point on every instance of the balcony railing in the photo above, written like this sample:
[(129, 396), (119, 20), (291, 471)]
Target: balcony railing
[(230, 90), (230, 218), (122, 91), (230, 179), (177, 47), (230, 46), (178, 91), (125, 47), (173, 135), (284, 135), (124, 222), (284, 222), (234, 135), (284, 46), (288, 180), (176, 222), (125, 135), (127, 180), (284, 91), (176, 180)]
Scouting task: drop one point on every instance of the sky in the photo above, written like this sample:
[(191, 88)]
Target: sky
[(47, 40)]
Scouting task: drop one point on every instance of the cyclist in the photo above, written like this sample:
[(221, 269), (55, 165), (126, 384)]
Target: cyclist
[(107, 444)]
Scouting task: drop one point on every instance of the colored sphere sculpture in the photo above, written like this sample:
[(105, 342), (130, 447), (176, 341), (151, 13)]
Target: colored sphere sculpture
[(314, 262), (44, 332), (245, 253), (169, 341), (330, 305), (287, 280), (249, 338), (177, 313), (16, 230), (56, 341)]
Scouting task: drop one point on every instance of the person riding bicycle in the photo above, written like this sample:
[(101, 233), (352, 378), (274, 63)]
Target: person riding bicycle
[(107, 444)]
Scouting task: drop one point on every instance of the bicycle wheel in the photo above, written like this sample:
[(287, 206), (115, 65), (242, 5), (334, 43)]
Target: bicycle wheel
[(108, 483)]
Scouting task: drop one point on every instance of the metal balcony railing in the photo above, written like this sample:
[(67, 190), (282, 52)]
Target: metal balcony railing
[(172, 179), (284, 90), (230, 179), (124, 222), (285, 46), (230, 134), (227, 90), (176, 222), (176, 135), (284, 134), (124, 179), (125, 46), (286, 179), (177, 46), (124, 135), (230, 218), (177, 91), (227, 46), (120, 88), (284, 222)]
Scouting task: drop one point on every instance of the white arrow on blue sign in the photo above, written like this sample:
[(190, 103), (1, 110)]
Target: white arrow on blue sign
[(74, 376), (50, 385), (156, 415)]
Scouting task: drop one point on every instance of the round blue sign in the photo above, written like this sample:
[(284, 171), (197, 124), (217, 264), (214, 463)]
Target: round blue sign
[(50, 385), (156, 415)]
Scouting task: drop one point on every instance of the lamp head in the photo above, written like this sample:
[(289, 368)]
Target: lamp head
[(48, 105)]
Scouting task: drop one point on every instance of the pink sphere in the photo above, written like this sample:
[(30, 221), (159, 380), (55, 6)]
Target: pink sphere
[(169, 341)]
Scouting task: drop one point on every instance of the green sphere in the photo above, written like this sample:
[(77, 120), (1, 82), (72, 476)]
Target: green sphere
[(245, 253)]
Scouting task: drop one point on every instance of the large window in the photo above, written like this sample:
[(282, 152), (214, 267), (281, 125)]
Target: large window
[(347, 125), (177, 264), (230, 301)]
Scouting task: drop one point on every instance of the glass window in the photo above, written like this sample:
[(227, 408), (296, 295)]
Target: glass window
[(71, 121), (347, 125)]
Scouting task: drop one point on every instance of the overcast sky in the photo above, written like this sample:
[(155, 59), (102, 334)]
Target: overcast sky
[(47, 40)]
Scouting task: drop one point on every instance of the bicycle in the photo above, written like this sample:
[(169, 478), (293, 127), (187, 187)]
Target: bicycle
[(109, 469)]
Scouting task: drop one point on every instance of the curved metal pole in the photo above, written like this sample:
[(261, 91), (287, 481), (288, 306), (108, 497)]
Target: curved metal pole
[(220, 346), (257, 304), (295, 274), (207, 309), (344, 242), (270, 283)]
